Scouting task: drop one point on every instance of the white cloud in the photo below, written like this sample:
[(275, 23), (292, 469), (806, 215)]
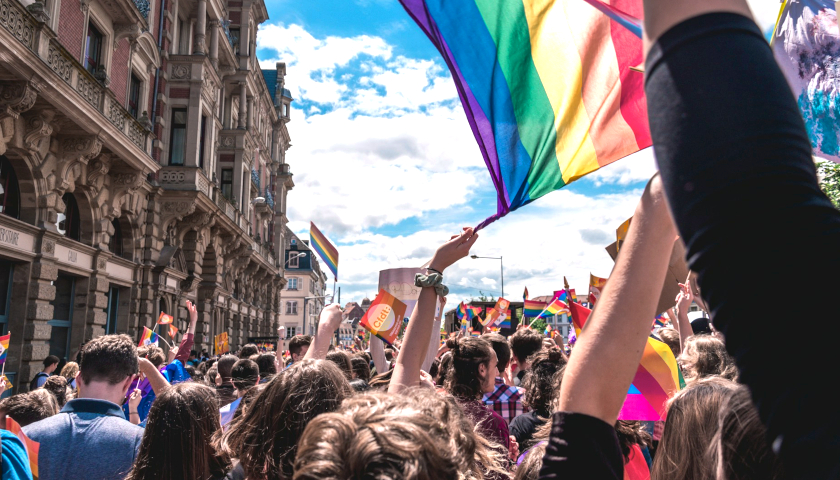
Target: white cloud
[(765, 12), (634, 168)]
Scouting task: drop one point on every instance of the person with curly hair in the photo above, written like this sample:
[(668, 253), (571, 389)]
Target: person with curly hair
[(541, 384)]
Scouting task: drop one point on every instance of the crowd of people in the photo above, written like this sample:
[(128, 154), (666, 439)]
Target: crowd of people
[(737, 183)]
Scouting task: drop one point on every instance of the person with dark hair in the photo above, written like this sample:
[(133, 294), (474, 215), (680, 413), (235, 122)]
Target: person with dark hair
[(50, 364), (245, 374), (506, 400), (28, 408), (177, 443), (267, 363), (670, 337), (298, 346), (265, 437), (541, 384), (361, 368), (248, 351), (57, 386), (523, 343), (226, 390), (381, 381), (342, 360), (153, 353), (100, 434)]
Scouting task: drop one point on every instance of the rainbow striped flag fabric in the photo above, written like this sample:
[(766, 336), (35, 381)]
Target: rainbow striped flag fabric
[(30, 446), (325, 249), (556, 307), (4, 347), (547, 87), (533, 308), (504, 320), (473, 312), (461, 311), (657, 379), (149, 338)]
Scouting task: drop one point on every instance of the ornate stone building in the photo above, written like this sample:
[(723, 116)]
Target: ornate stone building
[(142, 164), (306, 291)]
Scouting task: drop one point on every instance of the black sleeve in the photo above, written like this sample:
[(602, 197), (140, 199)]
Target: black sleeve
[(582, 447), (736, 163)]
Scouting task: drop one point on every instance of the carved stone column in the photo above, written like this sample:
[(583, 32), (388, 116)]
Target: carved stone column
[(36, 332), (214, 44), (243, 104), (199, 47)]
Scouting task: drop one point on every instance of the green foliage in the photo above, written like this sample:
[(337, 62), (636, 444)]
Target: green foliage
[(829, 174), (484, 298), (538, 325)]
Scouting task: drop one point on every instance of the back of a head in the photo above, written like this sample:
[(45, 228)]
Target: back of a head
[(298, 342), (248, 350), (670, 337), (419, 436), (502, 348), (530, 467), (468, 354), (177, 440), (70, 370), (265, 438), (153, 353), (225, 365), (741, 450), (540, 383), (28, 408), (266, 364), (524, 343), (691, 427), (57, 386), (51, 360), (245, 374), (361, 368), (381, 381), (109, 358), (342, 360), (706, 356)]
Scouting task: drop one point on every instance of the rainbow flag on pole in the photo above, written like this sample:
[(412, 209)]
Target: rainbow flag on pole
[(547, 87), (461, 311), (149, 338), (657, 380), (4, 347), (472, 311), (533, 308), (325, 249)]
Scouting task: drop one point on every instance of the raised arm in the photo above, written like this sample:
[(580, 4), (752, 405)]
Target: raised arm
[(327, 325), (188, 339), (684, 300), (420, 325), (156, 379)]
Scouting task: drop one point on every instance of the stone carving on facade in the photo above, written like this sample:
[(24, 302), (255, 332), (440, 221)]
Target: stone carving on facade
[(190, 283), (96, 172), (81, 148), (126, 30), (181, 71), (38, 127), (47, 246), (16, 98), (228, 141)]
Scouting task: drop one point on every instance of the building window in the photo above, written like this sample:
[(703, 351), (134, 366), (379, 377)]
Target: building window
[(9, 189), (290, 332), (184, 37), (116, 243), (6, 274), (293, 284), (134, 96), (69, 224), (178, 137), (113, 310), (227, 183), (234, 40), (291, 308), (201, 142), (93, 48), (294, 260), (65, 287)]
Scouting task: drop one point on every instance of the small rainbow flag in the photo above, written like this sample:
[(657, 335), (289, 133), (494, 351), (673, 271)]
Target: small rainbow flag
[(525, 294), (557, 307), (164, 319), (504, 320), (149, 338), (546, 86), (533, 308), (659, 321), (547, 330), (657, 380), (464, 324), (31, 446), (460, 311), (473, 312), (325, 249), (475, 333), (4, 347)]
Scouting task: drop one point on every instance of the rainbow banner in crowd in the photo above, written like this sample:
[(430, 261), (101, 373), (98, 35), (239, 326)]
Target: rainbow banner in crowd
[(631, 23), (461, 311), (30, 446), (657, 380), (504, 320), (533, 308), (149, 338), (547, 87), (4, 347), (473, 312), (325, 249)]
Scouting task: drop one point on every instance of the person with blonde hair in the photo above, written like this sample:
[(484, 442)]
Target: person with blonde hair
[(706, 356), (69, 372)]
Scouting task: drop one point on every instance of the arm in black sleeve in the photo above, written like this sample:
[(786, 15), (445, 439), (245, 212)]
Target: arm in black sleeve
[(581, 447), (736, 163)]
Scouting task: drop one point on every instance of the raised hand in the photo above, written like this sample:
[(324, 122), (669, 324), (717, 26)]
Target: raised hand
[(455, 249)]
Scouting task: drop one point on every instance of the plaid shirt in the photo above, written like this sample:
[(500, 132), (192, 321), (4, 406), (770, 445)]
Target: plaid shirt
[(506, 400)]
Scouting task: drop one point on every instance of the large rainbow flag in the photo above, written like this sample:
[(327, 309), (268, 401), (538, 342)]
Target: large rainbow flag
[(325, 249), (547, 87), (4, 347), (657, 379), (533, 308)]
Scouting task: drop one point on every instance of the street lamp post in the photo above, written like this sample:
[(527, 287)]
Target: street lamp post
[(501, 264), (305, 302)]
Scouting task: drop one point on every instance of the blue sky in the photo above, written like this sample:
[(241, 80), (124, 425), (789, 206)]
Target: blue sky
[(385, 164)]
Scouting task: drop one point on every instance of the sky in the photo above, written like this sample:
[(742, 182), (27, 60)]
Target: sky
[(385, 164)]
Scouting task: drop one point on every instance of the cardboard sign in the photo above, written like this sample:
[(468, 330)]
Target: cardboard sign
[(384, 317), (220, 343)]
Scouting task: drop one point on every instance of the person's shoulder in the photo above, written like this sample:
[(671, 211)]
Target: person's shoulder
[(15, 461), (50, 426)]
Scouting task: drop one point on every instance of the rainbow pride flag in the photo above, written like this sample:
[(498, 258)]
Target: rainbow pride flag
[(461, 311), (4, 347), (547, 87), (31, 446), (473, 312), (556, 307), (325, 249), (659, 321), (631, 23), (657, 380), (149, 337), (504, 320), (533, 308)]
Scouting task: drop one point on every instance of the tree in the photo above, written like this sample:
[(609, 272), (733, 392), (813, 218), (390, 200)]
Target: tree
[(829, 175), (538, 325), (484, 298)]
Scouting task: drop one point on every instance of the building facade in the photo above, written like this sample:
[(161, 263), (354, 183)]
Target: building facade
[(305, 293), (142, 164)]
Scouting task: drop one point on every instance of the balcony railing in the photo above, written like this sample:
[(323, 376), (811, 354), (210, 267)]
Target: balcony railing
[(143, 6), (269, 198), (255, 177)]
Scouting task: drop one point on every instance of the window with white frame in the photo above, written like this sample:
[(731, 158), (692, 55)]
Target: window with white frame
[(293, 284), (294, 260), (291, 308), (290, 332)]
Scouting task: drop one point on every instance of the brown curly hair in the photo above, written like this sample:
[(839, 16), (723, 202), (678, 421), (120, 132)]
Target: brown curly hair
[(540, 383), (463, 379), (265, 438), (417, 435), (706, 356)]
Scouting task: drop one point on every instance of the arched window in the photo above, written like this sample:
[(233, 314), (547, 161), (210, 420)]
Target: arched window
[(9, 189), (70, 223), (116, 243)]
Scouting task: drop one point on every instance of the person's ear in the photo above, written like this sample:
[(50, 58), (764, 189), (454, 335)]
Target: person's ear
[(127, 383), (482, 370), (218, 380)]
